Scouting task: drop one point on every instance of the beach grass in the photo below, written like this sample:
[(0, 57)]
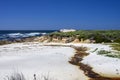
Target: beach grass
[(20, 76), (113, 54), (103, 52), (16, 76), (99, 36), (116, 46)]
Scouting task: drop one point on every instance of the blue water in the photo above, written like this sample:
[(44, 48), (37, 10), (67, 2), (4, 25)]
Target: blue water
[(19, 34)]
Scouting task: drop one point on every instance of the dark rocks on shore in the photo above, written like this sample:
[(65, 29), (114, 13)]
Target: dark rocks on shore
[(30, 39), (2, 42)]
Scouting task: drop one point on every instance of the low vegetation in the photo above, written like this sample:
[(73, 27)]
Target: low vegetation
[(116, 46), (15, 76), (103, 52), (97, 35), (20, 76), (113, 54), (88, 71), (95, 50)]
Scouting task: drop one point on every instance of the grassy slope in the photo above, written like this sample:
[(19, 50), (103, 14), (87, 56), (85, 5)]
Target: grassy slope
[(98, 35)]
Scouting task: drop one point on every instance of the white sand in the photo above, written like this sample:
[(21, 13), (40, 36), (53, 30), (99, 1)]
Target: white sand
[(105, 66), (32, 58)]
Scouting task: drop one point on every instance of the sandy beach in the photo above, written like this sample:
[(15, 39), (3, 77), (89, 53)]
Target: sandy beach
[(34, 58), (44, 59), (104, 66)]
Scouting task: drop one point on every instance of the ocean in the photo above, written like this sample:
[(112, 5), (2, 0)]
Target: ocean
[(19, 34)]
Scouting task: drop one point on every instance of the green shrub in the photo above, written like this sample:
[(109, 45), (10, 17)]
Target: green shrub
[(101, 52), (117, 40), (97, 35), (116, 47), (95, 50), (113, 54)]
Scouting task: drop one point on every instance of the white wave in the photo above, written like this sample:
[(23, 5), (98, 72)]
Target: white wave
[(22, 35), (43, 33), (32, 34), (14, 35)]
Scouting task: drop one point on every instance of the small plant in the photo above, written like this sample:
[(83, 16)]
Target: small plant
[(113, 54), (117, 40), (20, 76), (80, 48), (95, 50), (16, 76), (116, 47), (46, 77), (102, 52)]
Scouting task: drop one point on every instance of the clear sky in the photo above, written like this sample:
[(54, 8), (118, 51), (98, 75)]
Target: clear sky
[(57, 14)]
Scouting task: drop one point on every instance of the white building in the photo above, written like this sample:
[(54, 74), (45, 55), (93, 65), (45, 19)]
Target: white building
[(67, 30)]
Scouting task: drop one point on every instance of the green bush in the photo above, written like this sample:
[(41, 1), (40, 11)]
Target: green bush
[(116, 47), (97, 35), (95, 50), (101, 52), (113, 54), (117, 40)]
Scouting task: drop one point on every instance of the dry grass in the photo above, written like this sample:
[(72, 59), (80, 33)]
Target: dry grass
[(80, 48), (15, 76), (20, 76)]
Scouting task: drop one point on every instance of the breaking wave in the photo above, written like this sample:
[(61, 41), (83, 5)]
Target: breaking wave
[(19, 35)]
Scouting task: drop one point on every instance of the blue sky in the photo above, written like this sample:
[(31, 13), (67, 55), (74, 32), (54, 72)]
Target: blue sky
[(57, 14)]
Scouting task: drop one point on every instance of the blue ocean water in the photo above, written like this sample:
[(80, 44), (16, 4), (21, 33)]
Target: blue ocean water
[(19, 34)]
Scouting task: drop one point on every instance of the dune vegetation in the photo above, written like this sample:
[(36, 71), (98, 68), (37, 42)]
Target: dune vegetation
[(97, 35)]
